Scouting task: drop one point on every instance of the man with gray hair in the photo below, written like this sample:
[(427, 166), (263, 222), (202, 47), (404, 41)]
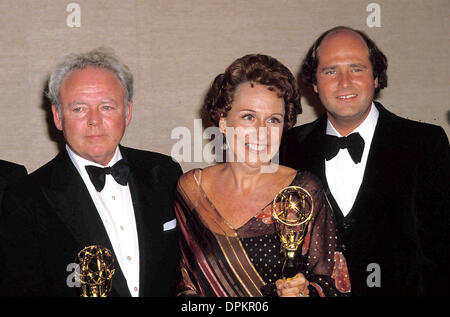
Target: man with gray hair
[(94, 193)]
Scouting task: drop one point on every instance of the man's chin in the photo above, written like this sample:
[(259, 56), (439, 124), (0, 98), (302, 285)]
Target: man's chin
[(99, 157)]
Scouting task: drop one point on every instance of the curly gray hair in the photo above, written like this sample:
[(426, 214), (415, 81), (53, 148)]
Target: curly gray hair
[(98, 58)]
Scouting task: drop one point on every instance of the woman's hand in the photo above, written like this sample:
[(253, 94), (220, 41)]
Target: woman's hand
[(293, 287)]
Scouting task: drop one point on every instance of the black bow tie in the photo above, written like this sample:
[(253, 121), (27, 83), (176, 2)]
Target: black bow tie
[(118, 171), (354, 143)]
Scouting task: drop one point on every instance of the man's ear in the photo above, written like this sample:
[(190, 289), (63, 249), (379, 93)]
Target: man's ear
[(129, 113), (315, 89), (376, 82), (57, 118)]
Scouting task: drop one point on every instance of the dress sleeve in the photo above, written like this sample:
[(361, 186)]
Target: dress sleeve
[(322, 259)]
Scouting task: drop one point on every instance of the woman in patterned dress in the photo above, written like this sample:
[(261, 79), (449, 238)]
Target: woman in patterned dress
[(228, 241)]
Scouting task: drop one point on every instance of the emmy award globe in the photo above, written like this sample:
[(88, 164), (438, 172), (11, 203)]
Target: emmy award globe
[(292, 211), (96, 271)]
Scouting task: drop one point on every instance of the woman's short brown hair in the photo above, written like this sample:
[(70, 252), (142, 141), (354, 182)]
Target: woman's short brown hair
[(257, 69)]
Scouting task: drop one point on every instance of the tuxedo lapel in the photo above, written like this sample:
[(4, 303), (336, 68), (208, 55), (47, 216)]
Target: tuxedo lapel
[(379, 153), (68, 195), (312, 151), (143, 189), (377, 165)]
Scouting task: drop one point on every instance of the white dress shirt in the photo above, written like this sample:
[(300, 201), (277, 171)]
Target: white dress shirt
[(344, 176), (115, 207)]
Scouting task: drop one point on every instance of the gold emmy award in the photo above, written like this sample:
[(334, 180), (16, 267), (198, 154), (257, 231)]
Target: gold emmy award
[(96, 271), (292, 211)]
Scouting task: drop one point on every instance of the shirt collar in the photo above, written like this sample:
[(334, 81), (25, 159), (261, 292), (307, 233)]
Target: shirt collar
[(365, 129), (80, 162)]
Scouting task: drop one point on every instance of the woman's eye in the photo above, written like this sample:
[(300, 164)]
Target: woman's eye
[(274, 120), (247, 117)]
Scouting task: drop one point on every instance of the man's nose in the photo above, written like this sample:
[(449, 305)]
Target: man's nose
[(344, 79), (94, 117)]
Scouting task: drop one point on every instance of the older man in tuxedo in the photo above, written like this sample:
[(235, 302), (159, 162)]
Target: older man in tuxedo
[(387, 177), (95, 192)]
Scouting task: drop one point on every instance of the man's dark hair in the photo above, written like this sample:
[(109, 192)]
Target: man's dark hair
[(377, 59)]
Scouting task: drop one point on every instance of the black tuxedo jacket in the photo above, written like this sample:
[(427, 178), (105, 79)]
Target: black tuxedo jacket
[(10, 173), (50, 217), (400, 218)]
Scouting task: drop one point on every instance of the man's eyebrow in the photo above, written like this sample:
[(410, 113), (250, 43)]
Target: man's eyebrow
[(108, 101), (358, 65), (82, 103), (76, 103), (333, 67)]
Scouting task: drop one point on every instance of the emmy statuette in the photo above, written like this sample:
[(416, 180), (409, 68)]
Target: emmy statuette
[(96, 271), (292, 211)]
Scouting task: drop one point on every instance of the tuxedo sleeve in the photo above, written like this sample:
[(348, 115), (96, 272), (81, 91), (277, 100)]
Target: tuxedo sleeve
[(20, 256), (433, 217), (10, 173)]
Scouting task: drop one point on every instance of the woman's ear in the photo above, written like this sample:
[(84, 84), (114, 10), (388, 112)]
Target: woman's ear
[(223, 125)]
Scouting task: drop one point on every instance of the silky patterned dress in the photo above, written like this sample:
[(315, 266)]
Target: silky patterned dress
[(218, 260)]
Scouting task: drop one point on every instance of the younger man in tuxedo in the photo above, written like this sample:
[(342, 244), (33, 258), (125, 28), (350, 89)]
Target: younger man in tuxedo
[(387, 178), (95, 192)]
